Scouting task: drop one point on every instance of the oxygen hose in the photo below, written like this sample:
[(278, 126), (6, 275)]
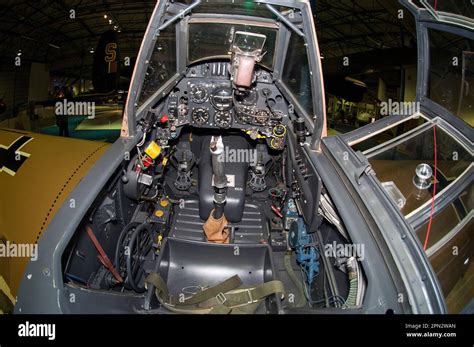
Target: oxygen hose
[(291, 273), (121, 238), (141, 242), (351, 300)]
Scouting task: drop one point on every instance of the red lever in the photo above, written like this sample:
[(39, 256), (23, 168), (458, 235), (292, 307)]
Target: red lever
[(164, 118), (276, 210)]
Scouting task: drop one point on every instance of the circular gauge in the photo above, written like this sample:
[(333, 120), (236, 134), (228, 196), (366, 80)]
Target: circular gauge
[(261, 116), (221, 98), (277, 143), (198, 94), (223, 119), (279, 130), (245, 114), (200, 115), (247, 97)]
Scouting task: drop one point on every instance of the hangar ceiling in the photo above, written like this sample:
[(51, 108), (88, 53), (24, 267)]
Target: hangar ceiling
[(354, 26), (44, 31)]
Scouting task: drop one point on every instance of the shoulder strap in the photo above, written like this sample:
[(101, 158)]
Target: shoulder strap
[(222, 298), (161, 290)]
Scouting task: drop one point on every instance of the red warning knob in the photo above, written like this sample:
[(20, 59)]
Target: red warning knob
[(147, 161), (164, 118)]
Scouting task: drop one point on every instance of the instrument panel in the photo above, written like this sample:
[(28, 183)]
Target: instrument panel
[(204, 100), (216, 104)]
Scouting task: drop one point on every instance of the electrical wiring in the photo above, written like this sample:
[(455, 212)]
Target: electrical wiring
[(327, 210), (338, 299), (310, 301), (142, 141), (140, 157)]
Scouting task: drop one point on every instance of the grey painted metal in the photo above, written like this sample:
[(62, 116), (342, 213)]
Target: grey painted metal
[(280, 52), (384, 282), (299, 4), (423, 62), (182, 44), (314, 57), (376, 150), (374, 128), (242, 18), (427, 12), (299, 110), (450, 18), (285, 20), (42, 289), (424, 293), (179, 15)]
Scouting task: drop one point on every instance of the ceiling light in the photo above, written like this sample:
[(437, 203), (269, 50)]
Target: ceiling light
[(110, 21), (105, 16)]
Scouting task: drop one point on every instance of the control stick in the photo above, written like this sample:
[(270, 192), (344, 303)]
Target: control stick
[(215, 226), (220, 179)]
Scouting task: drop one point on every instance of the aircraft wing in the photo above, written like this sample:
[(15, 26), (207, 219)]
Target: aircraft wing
[(37, 173)]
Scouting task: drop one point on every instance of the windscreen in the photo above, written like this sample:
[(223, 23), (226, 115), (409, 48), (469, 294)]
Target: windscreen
[(162, 63), (209, 40)]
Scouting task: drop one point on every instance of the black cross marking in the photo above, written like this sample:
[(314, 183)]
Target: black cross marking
[(11, 158)]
